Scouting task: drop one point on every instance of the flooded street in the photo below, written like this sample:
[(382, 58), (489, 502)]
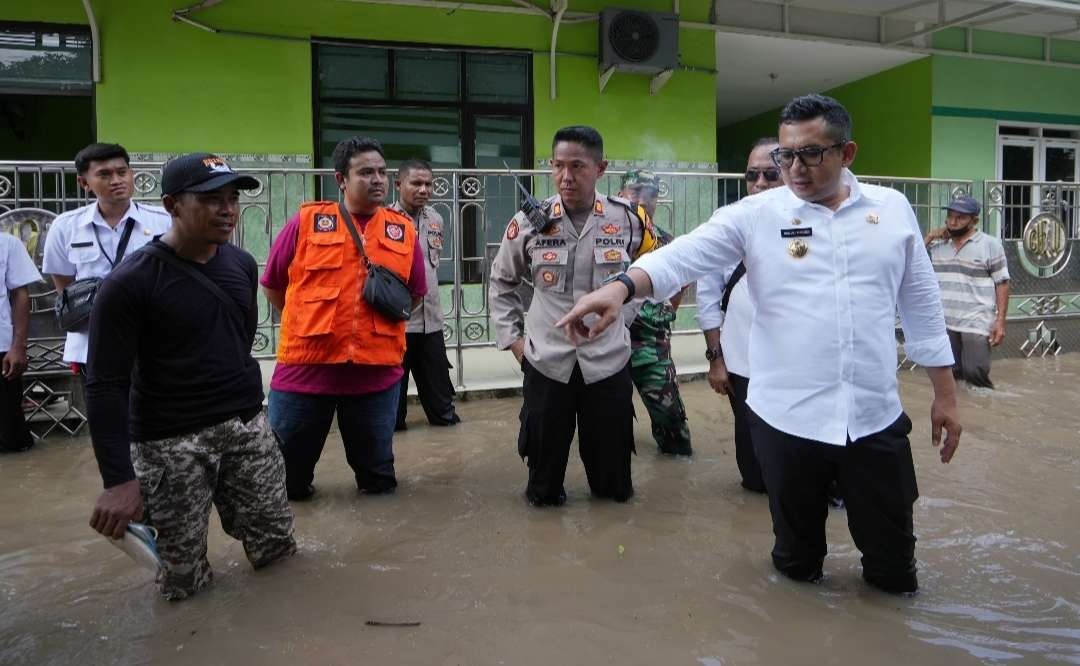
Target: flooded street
[(679, 575)]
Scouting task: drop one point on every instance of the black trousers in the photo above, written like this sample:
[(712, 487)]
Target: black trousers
[(744, 447), (425, 357), (14, 433), (604, 414), (877, 479)]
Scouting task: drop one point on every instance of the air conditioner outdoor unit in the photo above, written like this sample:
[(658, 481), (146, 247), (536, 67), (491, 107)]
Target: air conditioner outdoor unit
[(638, 42)]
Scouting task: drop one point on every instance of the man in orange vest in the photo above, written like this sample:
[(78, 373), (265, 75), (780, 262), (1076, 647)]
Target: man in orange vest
[(336, 353)]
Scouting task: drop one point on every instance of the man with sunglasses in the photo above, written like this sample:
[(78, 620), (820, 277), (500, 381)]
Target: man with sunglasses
[(829, 260), (725, 313), (651, 366)]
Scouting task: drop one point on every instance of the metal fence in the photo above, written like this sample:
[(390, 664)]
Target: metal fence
[(476, 205), (1039, 226)]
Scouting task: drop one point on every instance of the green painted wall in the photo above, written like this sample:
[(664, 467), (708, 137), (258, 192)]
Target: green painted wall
[(891, 115), (970, 98), (168, 86), (987, 42)]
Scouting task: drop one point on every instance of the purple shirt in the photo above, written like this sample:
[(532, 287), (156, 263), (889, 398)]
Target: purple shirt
[(331, 378)]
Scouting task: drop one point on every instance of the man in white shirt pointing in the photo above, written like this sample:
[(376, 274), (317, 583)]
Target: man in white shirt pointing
[(828, 262)]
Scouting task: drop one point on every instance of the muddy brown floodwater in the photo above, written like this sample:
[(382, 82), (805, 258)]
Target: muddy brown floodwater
[(680, 575)]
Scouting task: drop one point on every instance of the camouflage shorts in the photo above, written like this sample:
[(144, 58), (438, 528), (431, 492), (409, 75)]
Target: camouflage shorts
[(233, 465)]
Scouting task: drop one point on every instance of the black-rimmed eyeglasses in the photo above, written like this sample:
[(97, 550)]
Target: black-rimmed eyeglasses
[(771, 175), (810, 156)]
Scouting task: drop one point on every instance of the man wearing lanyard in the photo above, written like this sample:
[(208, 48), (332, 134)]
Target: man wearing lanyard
[(828, 262), (90, 241), (425, 350), (725, 313)]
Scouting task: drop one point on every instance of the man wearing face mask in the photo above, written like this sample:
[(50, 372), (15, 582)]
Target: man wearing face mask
[(425, 350), (725, 313), (974, 281), (336, 352)]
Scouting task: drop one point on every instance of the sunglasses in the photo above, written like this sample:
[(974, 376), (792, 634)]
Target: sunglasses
[(771, 175)]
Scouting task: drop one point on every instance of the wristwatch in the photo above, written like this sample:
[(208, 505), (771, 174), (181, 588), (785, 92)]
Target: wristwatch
[(627, 282), (714, 354)]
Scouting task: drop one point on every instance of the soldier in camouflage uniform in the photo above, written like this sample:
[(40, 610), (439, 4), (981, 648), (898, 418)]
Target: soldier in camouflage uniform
[(173, 393), (651, 367)]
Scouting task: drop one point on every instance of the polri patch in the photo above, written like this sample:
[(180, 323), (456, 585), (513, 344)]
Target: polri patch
[(610, 229), (512, 230), (795, 233), (394, 231), (325, 223)]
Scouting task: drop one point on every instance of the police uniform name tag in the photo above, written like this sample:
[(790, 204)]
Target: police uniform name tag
[(83, 244), (796, 233)]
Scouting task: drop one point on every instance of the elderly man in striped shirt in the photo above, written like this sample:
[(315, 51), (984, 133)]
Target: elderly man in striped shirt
[(974, 281)]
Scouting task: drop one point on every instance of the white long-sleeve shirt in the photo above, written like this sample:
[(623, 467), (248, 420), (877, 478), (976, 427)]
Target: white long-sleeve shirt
[(822, 340), (734, 324)]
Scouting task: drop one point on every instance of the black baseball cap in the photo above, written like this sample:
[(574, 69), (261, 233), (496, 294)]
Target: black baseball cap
[(201, 172)]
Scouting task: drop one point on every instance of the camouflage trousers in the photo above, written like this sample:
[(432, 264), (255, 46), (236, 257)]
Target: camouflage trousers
[(235, 466), (653, 373)]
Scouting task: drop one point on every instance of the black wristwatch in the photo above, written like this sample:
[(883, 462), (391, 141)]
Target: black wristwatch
[(628, 283), (714, 354)]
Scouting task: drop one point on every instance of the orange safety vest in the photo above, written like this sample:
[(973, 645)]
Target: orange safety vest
[(326, 319)]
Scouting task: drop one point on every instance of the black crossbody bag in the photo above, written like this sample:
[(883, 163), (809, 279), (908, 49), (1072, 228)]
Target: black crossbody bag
[(383, 289), (75, 301)]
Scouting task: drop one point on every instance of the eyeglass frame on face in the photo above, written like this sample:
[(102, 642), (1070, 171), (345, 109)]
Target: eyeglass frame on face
[(753, 174), (803, 154)]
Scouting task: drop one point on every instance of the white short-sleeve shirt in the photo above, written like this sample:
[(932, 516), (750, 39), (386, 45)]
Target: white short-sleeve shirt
[(18, 270), (81, 244)]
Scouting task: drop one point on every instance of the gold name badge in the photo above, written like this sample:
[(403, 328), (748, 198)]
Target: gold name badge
[(798, 248)]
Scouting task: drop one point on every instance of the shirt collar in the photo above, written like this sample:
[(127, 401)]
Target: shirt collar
[(401, 209), (94, 215), (855, 192)]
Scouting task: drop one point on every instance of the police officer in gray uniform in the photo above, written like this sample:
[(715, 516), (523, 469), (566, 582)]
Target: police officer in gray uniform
[(425, 350), (585, 239)]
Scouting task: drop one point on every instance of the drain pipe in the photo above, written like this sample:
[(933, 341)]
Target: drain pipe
[(95, 40), (560, 8)]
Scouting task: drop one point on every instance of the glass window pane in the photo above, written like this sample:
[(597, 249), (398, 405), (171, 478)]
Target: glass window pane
[(500, 78), (1060, 164), (498, 140), (49, 60), (353, 73), (1017, 163), (429, 134), (426, 75)]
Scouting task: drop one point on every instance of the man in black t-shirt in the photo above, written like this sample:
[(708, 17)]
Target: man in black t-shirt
[(173, 394)]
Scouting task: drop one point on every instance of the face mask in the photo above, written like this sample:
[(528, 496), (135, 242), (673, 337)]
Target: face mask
[(957, 233)]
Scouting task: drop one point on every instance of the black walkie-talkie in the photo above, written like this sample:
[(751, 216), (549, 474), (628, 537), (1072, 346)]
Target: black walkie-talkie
[(533, 210)]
